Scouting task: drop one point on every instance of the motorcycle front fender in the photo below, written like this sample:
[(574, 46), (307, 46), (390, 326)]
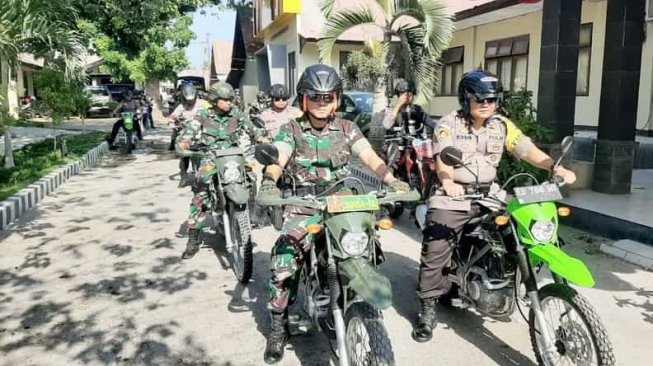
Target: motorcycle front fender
[(237, 193), (367, 282), (570, 268)]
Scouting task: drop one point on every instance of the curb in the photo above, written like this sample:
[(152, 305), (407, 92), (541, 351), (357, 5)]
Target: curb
[(15, 206), (608, 226), (631, 251)]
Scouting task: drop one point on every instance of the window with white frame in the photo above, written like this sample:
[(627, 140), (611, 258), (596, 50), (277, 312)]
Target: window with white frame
[(452, 70), (508, 59), (584, 59)]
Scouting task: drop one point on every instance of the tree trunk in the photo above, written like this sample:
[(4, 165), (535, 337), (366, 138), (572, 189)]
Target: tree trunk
[(152, 91), (9, 150)]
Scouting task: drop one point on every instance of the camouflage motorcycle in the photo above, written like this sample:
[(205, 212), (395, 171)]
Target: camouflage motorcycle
[(230, 188), (344, 292)]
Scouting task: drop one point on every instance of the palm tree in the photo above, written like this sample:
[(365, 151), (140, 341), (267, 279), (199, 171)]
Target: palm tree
[(422, 30), (43, 28)]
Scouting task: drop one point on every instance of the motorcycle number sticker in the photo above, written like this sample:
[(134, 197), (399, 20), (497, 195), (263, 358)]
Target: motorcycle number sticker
[(336, 204)]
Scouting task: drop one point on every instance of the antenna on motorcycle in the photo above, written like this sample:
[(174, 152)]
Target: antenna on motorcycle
[(392, 153), (452, 156)]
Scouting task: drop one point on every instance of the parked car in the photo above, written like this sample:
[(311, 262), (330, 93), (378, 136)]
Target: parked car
[(101, 101), (117, 90), (355, 106)]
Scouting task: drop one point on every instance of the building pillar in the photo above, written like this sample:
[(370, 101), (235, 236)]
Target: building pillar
[(556, 101), (615, 149)]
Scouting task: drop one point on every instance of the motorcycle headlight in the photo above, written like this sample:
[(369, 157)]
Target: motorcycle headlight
[(542, 231), (354, 244), (231, 175)]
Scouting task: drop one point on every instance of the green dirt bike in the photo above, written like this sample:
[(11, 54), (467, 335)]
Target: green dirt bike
[(344, 292), (505, 248), (129, 120), (230, 191)]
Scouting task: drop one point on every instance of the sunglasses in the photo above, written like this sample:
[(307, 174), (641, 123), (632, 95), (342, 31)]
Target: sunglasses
[(485, 100), (326, 98), (280, 99)]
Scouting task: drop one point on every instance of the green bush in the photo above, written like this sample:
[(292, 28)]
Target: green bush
[(36, 160), (518, 107)]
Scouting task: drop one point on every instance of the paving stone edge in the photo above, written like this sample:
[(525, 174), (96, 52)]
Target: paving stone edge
[(27, 198)]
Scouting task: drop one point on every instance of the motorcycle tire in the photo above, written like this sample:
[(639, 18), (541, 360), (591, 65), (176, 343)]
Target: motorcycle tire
[(397, 211), (600, 344), (242, 259), (378, 350), (128, 142)]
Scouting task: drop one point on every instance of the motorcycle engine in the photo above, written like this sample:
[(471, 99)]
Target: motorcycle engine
[(490, 285)]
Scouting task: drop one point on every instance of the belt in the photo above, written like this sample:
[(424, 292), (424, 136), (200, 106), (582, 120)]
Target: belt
[(481, 188)]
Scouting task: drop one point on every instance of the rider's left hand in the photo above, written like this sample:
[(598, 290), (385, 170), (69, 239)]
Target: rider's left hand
[(399, 186), (262, 140), (568, 176)]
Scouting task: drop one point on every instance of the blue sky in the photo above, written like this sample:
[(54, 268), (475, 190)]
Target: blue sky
[(218, 24)]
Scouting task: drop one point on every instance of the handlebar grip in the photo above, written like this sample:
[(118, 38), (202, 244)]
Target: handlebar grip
[(560, 181)]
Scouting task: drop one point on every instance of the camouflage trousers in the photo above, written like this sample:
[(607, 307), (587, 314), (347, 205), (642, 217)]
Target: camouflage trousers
[(288, 255), (201, 202)]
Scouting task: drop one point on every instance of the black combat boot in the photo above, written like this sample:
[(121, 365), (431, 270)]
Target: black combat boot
[(183, 179), (193, 245), (426, 322), (277, 338)]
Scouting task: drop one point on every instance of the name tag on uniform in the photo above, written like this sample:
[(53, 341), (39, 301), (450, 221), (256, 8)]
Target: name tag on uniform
[(495, 138), (464, 137)]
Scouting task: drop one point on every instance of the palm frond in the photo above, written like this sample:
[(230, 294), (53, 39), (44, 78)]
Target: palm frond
[(433, 16), (338, 24), (326, 7)]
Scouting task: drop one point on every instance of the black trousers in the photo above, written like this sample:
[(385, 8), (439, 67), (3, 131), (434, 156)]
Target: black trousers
[(121, 124), (443, 228)]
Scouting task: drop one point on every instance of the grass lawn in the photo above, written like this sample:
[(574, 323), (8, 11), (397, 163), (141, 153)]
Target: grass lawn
[(36, 160)]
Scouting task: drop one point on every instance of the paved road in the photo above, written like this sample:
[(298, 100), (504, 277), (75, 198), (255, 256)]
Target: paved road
[(92, 276)]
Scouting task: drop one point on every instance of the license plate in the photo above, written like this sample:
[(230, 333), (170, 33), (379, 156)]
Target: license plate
[(337, 204), (541, 193)]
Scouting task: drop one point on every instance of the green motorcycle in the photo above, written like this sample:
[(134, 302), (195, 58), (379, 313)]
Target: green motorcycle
[(505, 248), (230, 188), (344, 291), (129, 120)]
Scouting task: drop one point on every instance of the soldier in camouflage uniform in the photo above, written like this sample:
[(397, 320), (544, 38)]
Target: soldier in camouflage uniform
[(218, 128), (483, 136), (317, 149)]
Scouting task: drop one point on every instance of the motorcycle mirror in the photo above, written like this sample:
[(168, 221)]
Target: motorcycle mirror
[(565, 146), (266, 154), (451, 156), (392, 153)]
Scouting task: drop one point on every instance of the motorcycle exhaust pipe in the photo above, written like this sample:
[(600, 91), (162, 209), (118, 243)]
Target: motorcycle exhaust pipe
[(338, 320)]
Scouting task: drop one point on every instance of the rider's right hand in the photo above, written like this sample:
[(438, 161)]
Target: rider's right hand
[(452, 189), (184, 145)]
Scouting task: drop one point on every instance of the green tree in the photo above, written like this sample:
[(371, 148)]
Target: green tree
[(58, 94), (143, 40), (44, 28), (364, 69), (423, 29)]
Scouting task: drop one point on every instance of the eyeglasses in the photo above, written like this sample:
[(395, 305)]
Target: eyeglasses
[(326, 98), (280, 99)]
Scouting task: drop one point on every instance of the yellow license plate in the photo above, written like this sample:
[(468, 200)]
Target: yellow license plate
[(337, 204)]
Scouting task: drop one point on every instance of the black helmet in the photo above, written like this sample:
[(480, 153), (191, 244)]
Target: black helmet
[(188, 92), (278, 91), (480, 85), (322, 79), (403, 86), (128, 94)]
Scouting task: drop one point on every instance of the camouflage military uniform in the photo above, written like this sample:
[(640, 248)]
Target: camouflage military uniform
[(482, 151), (274, 120), (217, 132), (317, 158)]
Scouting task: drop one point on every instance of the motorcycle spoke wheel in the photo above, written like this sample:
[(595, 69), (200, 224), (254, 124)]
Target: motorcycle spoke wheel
[(579, 336), (366, 338), (241, 252)]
